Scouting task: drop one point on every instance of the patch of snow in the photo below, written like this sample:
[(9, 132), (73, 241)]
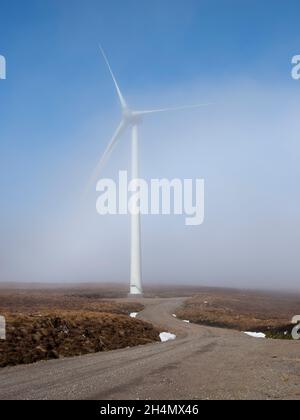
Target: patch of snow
[(174, 315), (165, 336), (186, 321), (255, 334), (133, 314)]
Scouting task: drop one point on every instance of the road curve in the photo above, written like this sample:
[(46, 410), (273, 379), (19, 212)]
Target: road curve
[(202, 363)]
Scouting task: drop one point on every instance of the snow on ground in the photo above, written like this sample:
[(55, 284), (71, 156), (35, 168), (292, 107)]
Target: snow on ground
[(165, 336), (174, 315), (256, 335), (133, 314), (186, 321)]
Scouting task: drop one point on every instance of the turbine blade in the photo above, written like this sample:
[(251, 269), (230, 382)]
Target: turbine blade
[(156, 111), (109, 149), (121, 97)]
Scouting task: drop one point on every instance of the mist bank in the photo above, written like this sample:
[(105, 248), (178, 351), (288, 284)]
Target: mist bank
[(245, 147)]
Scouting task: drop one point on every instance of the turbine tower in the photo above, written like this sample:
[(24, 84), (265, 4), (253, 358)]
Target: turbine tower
[(131, 119)]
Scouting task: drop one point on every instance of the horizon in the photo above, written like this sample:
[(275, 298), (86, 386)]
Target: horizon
[(194, 289)]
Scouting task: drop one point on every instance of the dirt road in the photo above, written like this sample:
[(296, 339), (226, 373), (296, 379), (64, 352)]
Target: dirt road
[(203, 363)]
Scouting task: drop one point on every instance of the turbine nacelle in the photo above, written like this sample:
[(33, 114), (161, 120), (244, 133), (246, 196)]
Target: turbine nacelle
[(131, 117)]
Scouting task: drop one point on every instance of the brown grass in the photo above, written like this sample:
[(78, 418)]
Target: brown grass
[(31, 338), (45, 324), (244, 311), (44, 300)]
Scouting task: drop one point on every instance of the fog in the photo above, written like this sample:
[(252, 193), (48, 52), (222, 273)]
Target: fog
[(246, 148)]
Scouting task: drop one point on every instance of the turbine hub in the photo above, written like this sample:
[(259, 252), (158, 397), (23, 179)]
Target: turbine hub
[(131, 117)]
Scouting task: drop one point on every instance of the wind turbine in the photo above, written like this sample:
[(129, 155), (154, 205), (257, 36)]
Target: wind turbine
[(132, 119)]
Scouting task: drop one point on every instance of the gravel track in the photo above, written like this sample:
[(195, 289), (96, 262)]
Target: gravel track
[(202, 363)]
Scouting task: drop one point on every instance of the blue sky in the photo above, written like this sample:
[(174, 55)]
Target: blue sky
[(57, 81), (58, 107)]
